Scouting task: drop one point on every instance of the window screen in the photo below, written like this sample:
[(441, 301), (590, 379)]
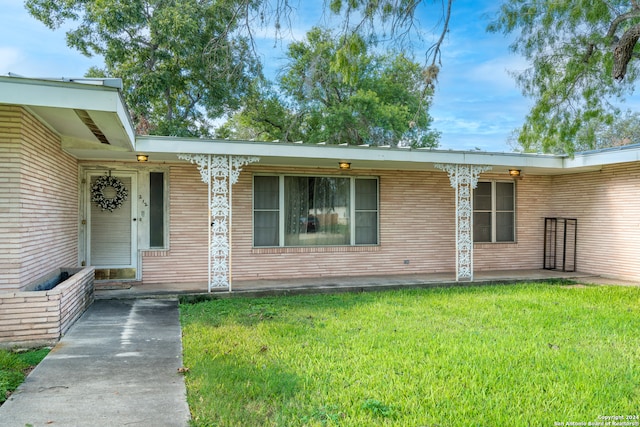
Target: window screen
[(494, 212), (314, 211)]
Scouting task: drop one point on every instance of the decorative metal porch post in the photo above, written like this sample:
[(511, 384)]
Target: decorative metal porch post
[(220, 173), (463, 179)]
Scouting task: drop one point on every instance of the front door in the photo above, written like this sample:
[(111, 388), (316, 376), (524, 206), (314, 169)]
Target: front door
[(112, 224)]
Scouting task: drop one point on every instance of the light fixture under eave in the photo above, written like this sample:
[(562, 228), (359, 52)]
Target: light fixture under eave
[(514, 173), (344, 165), (142, 157)]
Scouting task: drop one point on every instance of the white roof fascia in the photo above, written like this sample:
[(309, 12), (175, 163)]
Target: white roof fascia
[(64, 94), (125, 120), (603, 157), (155, 144)]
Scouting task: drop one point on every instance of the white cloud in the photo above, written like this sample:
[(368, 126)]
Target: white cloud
[(10, 59), (476, 104), (496, 72)]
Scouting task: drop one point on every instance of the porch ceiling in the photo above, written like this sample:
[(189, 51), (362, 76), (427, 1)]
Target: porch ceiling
[(85, 113)]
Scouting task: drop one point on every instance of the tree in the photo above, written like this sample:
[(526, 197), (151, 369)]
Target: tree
[(625, 130), (183, 62), (263, 117), (391, 21), (384, 101), (583, 56), (595, 135)]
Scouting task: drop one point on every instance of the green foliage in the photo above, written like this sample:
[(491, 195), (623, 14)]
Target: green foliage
[(595, 134), (13, 366), (578, 71), (186, 62), (391, 18), (182, 62), (32, 357), (526, 354), (623, 131), (325, 415), (354, 98), (264, 117), (378, 408)]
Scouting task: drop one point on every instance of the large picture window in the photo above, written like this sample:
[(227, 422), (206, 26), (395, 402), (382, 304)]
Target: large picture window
[(494, 212), (314, 211)]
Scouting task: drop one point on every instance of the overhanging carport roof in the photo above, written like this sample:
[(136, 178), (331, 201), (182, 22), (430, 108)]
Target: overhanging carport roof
[(328, 156), (278, 154), (85, 113), (93, 123)]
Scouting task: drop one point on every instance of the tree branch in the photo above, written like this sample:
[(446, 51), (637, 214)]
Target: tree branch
[(633, 13), (435, 49), (623, 52)]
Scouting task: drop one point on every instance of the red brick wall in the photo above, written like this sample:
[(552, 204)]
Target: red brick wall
[(186, 259), (38, 201), (417, 223), (532, 198), (41, 317), (607, 206), (10, 143)]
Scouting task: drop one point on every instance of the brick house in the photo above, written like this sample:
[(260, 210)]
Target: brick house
[(212, 211)]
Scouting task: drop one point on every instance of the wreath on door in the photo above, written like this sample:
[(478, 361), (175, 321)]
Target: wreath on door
[(109, 184)]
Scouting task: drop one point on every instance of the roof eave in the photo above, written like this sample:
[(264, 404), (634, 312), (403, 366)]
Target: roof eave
[(106, 100), (360, 157)]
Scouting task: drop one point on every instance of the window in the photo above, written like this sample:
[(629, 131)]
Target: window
[(266, 211), (494, 212), (156, 210), (314, 211), (366, 210)]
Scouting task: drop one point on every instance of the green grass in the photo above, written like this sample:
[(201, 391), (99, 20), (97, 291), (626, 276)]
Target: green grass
[(14, 367), (515, 355)]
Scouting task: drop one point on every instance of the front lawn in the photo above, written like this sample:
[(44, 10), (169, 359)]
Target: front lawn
[(15, 366), (538, 354)]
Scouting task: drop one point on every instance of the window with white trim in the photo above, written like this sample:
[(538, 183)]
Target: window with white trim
[(494, 212), (292, 210)]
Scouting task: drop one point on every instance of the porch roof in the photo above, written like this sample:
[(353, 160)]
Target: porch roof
[(85, 113), (93, 123), (166, 149), (328, 156), (369, 157)]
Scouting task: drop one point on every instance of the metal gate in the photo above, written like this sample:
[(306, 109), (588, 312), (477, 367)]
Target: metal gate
[(560, 241)]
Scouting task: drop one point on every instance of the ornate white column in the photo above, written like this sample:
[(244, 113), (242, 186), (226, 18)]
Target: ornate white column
[(220, 173), (463, 178)]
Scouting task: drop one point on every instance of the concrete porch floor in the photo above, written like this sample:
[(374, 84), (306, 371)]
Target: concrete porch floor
[(117, 290)]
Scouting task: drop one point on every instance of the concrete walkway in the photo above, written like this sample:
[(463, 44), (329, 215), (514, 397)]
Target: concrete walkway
[(117, 365), (263, 287)]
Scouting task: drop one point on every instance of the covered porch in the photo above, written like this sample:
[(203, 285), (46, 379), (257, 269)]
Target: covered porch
[(126, 290), (415, 214)]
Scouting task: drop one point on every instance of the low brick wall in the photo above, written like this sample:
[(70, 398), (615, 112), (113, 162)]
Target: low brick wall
[(34, 318)]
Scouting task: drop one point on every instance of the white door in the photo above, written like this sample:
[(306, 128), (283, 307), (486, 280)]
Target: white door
[(112, 224)]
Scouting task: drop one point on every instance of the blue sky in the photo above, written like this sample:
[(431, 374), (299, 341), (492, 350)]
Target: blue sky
[(476, 106)]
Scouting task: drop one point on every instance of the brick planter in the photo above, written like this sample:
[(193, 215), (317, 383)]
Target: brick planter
[(35, 318)]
